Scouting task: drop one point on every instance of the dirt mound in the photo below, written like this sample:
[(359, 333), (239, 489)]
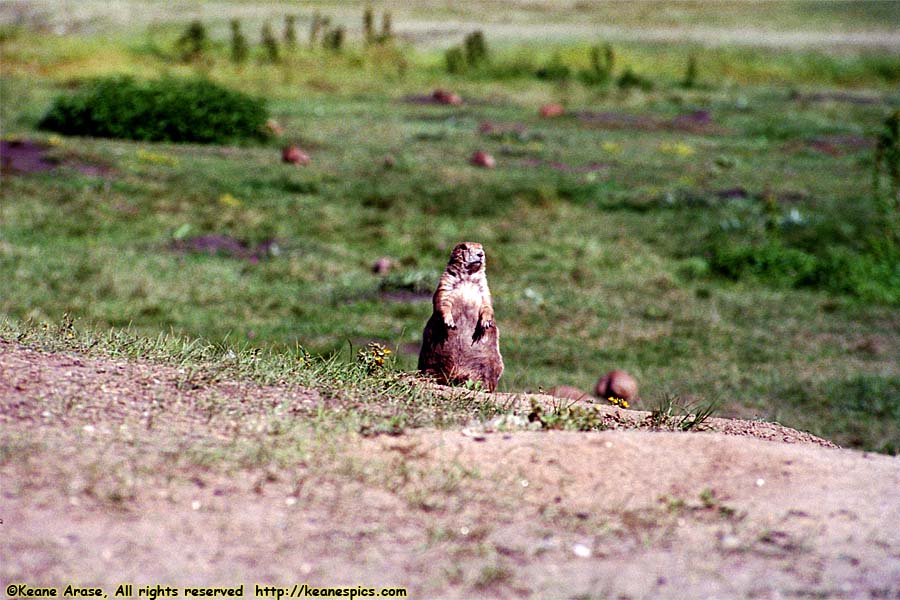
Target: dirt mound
[(25, 156), (120, 471), (222, 245)]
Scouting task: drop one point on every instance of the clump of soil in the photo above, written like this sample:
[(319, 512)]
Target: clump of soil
[(839, 145), (698, 122), (26, 156), (222, 245)]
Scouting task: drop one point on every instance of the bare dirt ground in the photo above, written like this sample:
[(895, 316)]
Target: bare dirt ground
[(127, 472)]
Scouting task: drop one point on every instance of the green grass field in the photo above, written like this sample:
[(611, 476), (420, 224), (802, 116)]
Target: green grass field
[(614, 233)]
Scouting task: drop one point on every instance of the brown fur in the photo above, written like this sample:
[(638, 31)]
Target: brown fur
[(461, 341)]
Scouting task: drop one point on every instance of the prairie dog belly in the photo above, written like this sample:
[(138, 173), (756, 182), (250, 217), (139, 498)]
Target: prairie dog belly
[(467, 300)]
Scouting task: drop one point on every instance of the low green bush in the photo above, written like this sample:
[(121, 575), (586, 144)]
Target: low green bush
[(768, 261), (871, 277), (169, 109), (630, 79), (455, 60), (555, 70)]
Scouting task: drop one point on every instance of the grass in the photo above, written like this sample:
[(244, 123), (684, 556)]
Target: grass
[(590, 269)]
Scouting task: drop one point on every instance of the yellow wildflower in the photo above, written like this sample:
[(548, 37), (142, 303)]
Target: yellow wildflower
[(156, 158), (611, 147), (678, 149), (229, 200)]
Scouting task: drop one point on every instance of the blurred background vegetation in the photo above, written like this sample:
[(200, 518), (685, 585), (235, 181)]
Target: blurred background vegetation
[(715, 210)]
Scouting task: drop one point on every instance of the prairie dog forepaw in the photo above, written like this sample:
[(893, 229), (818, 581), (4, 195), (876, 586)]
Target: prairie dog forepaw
[(450, 323), (487, 323)]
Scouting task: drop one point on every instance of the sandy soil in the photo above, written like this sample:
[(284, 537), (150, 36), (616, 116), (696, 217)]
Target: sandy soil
[(120, 472)]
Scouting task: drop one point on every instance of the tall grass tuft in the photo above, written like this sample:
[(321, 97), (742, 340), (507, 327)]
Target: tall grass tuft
[(455, 60), (192, 43), (690, 73), (334, 39), (887, 167), (239, 48), (290, 32), (476, 50), (369, 25), (270, 44)]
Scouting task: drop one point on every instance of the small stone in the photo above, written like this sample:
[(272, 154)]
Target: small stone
[(581, 551), (446, 97), (549, 111), (382, 265), (617, 384), (483, 159), (294, 155)]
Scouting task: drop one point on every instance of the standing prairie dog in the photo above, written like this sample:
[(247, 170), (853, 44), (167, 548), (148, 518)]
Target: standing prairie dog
[(461, 342)]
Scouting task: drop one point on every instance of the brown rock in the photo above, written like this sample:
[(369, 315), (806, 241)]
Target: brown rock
[(548, 111), (483, 159), (382, 265), (294, 155), (446, 97), (617, 384)]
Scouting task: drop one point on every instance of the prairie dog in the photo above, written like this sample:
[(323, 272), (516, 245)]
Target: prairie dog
[(461, 342)]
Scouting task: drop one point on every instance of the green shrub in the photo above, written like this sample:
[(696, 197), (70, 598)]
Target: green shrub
[(769, 261), (475, 49), (290, 31), (598, 72), (555, 70), (334, 39), (387, 32), (270, 43), (630, 79), (887, 166), (369, 25), (873, 278), (316, 26), (192, 43), (690, 73), (239, 48), (455, 60), (165, 110)]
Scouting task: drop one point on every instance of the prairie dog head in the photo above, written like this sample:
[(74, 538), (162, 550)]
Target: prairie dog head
[(468, 257)]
